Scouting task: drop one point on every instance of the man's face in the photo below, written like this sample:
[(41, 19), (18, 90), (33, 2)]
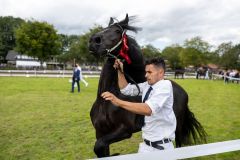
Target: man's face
[(153, 74)]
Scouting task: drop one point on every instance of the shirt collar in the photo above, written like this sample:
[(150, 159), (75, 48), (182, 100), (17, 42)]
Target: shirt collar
[(155, 85)]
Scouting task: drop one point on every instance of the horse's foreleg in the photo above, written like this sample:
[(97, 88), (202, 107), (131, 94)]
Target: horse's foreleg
[(101, 147)]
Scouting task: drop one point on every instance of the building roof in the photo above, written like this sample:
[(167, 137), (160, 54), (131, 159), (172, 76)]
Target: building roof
[(22, 60), (11, 56), (213, 66)]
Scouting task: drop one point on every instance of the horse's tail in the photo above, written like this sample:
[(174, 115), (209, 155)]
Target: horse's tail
[(189, 130)]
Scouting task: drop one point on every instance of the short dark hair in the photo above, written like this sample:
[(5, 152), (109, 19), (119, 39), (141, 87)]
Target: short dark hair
[(157, 61)]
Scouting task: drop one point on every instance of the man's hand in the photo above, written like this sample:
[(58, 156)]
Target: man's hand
[(118, 65), (110, 97), (139, 108)]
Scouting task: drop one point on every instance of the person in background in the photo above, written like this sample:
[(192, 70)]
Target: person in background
[(207, 74), (83, 80), (76, 77)]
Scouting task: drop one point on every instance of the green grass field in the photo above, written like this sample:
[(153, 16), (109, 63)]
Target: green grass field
[(41, 119)]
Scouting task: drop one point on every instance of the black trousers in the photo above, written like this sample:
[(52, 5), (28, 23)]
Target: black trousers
[(75, 80)]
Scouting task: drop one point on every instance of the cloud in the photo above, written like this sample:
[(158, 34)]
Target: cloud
[(163, 22)]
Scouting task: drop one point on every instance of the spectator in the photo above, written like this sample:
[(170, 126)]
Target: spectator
[(76, 77)]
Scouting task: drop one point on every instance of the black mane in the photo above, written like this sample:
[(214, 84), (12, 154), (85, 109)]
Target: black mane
[(125, 23)]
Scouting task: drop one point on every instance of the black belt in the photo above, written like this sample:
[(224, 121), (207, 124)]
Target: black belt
[(156, 143)]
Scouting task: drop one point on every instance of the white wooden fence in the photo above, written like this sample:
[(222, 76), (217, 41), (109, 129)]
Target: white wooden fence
[(183, 152), (46, 73)]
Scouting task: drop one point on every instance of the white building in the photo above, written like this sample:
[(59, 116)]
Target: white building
[(22, 61)]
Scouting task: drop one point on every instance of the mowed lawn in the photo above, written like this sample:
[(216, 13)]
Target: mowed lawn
[(41, 119)]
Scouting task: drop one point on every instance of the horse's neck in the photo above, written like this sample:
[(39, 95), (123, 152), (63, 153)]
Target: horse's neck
[(136, 70), (108, 79)]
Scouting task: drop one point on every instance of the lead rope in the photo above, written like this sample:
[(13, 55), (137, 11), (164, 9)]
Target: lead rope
[(116, 57), (131, 79), (114, 47)]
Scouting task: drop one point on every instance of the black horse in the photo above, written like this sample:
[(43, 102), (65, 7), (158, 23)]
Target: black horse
[(201, 72), (179, 72), (113, 123)]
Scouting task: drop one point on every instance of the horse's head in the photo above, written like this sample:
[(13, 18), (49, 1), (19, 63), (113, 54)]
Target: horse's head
[(109, 40)]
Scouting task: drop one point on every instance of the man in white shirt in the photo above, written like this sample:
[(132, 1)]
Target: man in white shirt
[(157, 105)]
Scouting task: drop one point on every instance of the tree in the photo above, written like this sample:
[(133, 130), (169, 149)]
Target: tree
[(38, 39), (67, 41), (150, 51), (223, 48), (231, 58), (7, 36), (172, 54), (198, 44), (191, 56), (79, 49), (197, 52)]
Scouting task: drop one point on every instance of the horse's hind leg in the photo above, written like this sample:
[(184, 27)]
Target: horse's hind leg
[(101, 147)]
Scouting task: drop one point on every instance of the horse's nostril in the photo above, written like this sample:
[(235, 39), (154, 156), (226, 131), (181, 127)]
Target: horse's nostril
[(97, 40)]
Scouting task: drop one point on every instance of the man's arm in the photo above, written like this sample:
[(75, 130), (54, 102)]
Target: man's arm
[(139, 108), (122, 82)]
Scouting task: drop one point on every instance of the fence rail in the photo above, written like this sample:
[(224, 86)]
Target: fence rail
[(66, 73), (86, 74), (46, 73), (183, 152)]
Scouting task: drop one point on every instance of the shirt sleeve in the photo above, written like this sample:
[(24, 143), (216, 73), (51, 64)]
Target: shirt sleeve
[(80, 73), (132, 90), (160, 98)]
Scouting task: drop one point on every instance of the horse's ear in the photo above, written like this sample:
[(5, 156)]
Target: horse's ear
[(126, 20), (111, 21)]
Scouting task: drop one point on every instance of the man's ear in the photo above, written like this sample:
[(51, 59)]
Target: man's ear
[(161, 70)]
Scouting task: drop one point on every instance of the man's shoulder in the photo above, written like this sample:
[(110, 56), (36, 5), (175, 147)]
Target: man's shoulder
[(167, 81), (165, 84)]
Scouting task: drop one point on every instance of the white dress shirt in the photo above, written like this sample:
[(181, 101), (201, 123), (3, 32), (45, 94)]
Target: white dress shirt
[(80, 69), (162, 122)]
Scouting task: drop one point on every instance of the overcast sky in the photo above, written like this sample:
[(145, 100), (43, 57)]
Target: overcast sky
[(163, 22)]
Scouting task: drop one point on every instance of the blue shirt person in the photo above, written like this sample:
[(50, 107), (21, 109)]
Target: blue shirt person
[(76, 77)]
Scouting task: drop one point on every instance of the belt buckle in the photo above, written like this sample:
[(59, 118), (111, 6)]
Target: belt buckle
[(165, 140), (150, 143)]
